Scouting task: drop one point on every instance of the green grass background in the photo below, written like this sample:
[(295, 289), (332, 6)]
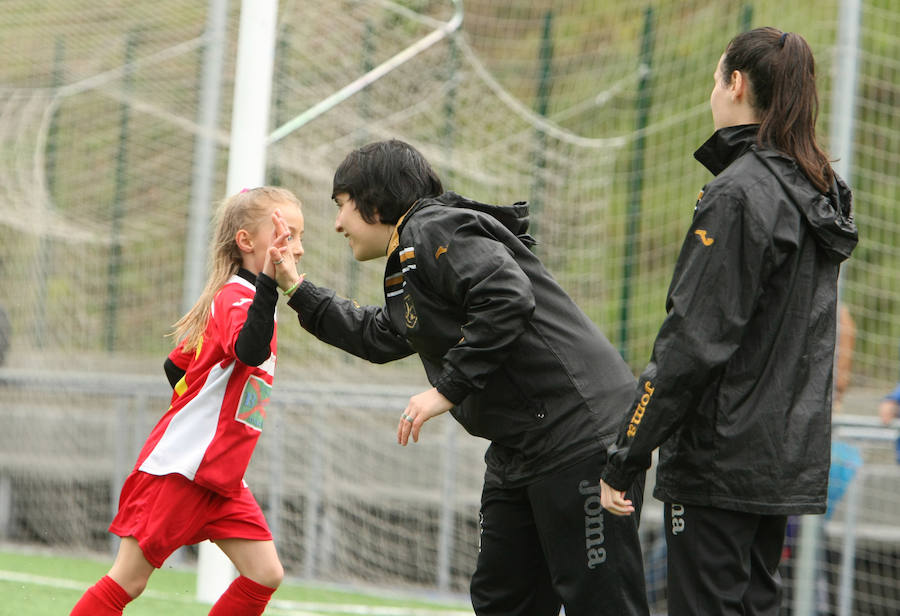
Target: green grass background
[(57, 582), (596, 43)]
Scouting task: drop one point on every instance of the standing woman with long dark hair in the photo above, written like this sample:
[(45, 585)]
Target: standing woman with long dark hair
[(738, 390)]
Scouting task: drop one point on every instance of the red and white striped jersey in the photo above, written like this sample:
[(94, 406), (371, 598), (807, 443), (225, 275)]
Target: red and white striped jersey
[(217, 411)]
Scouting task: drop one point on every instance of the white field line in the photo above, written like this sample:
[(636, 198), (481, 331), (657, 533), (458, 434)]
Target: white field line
[(28, 578), (278, 606), (362, 610)]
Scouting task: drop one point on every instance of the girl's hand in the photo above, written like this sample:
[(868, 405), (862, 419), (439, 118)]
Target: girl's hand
[(280, 264), (280, 235), (284, 268)]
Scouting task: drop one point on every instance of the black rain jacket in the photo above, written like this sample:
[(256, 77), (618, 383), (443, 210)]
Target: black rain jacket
[(738, 389), (523, 365)]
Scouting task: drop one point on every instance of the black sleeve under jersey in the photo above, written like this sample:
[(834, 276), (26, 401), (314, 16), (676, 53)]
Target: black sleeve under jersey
[(252, 346), (173, 372)]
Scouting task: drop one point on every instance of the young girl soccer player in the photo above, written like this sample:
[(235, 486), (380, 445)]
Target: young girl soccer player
[(188, 485)]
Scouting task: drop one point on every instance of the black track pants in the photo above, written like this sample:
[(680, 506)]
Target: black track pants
[(551, 543), (722, 562)]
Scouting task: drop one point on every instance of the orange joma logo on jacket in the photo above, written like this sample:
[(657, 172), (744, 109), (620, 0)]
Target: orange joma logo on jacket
[(641, 407), (701, 233)]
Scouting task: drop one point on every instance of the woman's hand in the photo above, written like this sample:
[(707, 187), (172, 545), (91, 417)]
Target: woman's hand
[(614, 500), (420, 409)]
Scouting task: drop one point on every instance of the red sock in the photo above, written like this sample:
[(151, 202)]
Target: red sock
[(105, 598), (243, 598)]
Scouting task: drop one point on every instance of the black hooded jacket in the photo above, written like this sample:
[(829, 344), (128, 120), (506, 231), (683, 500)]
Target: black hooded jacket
[(738, 389), (523, 365)]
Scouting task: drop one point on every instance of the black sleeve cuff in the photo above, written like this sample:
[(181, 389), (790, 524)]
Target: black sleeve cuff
[(253, 344), (619, 477), (173, 372), (453, 386), (306, 299), (265, 283)]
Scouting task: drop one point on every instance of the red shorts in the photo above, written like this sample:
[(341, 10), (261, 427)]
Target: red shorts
[(166, 512)]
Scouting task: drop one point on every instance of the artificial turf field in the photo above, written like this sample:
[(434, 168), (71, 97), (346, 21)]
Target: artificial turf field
[(45, 584)]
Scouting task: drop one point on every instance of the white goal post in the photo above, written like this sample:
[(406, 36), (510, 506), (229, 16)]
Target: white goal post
[(246, 168)]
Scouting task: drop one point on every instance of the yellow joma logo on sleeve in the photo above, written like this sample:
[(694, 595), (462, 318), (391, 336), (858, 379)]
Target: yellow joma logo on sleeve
[(641, 407), (701, 233), (441, 250)]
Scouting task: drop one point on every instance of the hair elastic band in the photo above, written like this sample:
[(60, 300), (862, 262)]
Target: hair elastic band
[(783, 37)]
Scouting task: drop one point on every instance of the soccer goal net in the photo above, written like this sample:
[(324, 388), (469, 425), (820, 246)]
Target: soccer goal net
[(590, 111)]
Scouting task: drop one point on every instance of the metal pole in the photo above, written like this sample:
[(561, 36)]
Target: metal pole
[(448, 499), (246, 168), (848, 557), (120, 467), (119, 195), (279, 93), (843, 109), (843, 94), (46, 244), (252, 94), (366, 114), (6, 493), (275, 443), (449, 132), (542, 105), (843, 122), (448, 493), (746, 17), (365, 97), (204, 155), (636, 182), (807, 551), (315, 485)]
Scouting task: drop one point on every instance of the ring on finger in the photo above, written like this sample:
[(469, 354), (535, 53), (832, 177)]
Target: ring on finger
[(407, 418), (278, 262)]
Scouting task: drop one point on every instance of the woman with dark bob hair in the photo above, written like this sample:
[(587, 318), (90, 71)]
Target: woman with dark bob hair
[(512, 358)]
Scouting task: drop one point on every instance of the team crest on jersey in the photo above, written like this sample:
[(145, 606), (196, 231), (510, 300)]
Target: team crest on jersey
[(254, 398), (410, 312)]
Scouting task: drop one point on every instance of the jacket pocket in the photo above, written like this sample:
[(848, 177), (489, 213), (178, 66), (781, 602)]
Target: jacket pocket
[(504, 414)]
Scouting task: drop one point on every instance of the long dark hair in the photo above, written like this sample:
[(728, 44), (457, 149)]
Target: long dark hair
[(782, 74)]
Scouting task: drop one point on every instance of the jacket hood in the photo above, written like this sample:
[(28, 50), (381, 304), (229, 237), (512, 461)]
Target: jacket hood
[(514, 217), (829, 215)]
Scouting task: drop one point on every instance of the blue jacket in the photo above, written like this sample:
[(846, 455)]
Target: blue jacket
[(894, 395)]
